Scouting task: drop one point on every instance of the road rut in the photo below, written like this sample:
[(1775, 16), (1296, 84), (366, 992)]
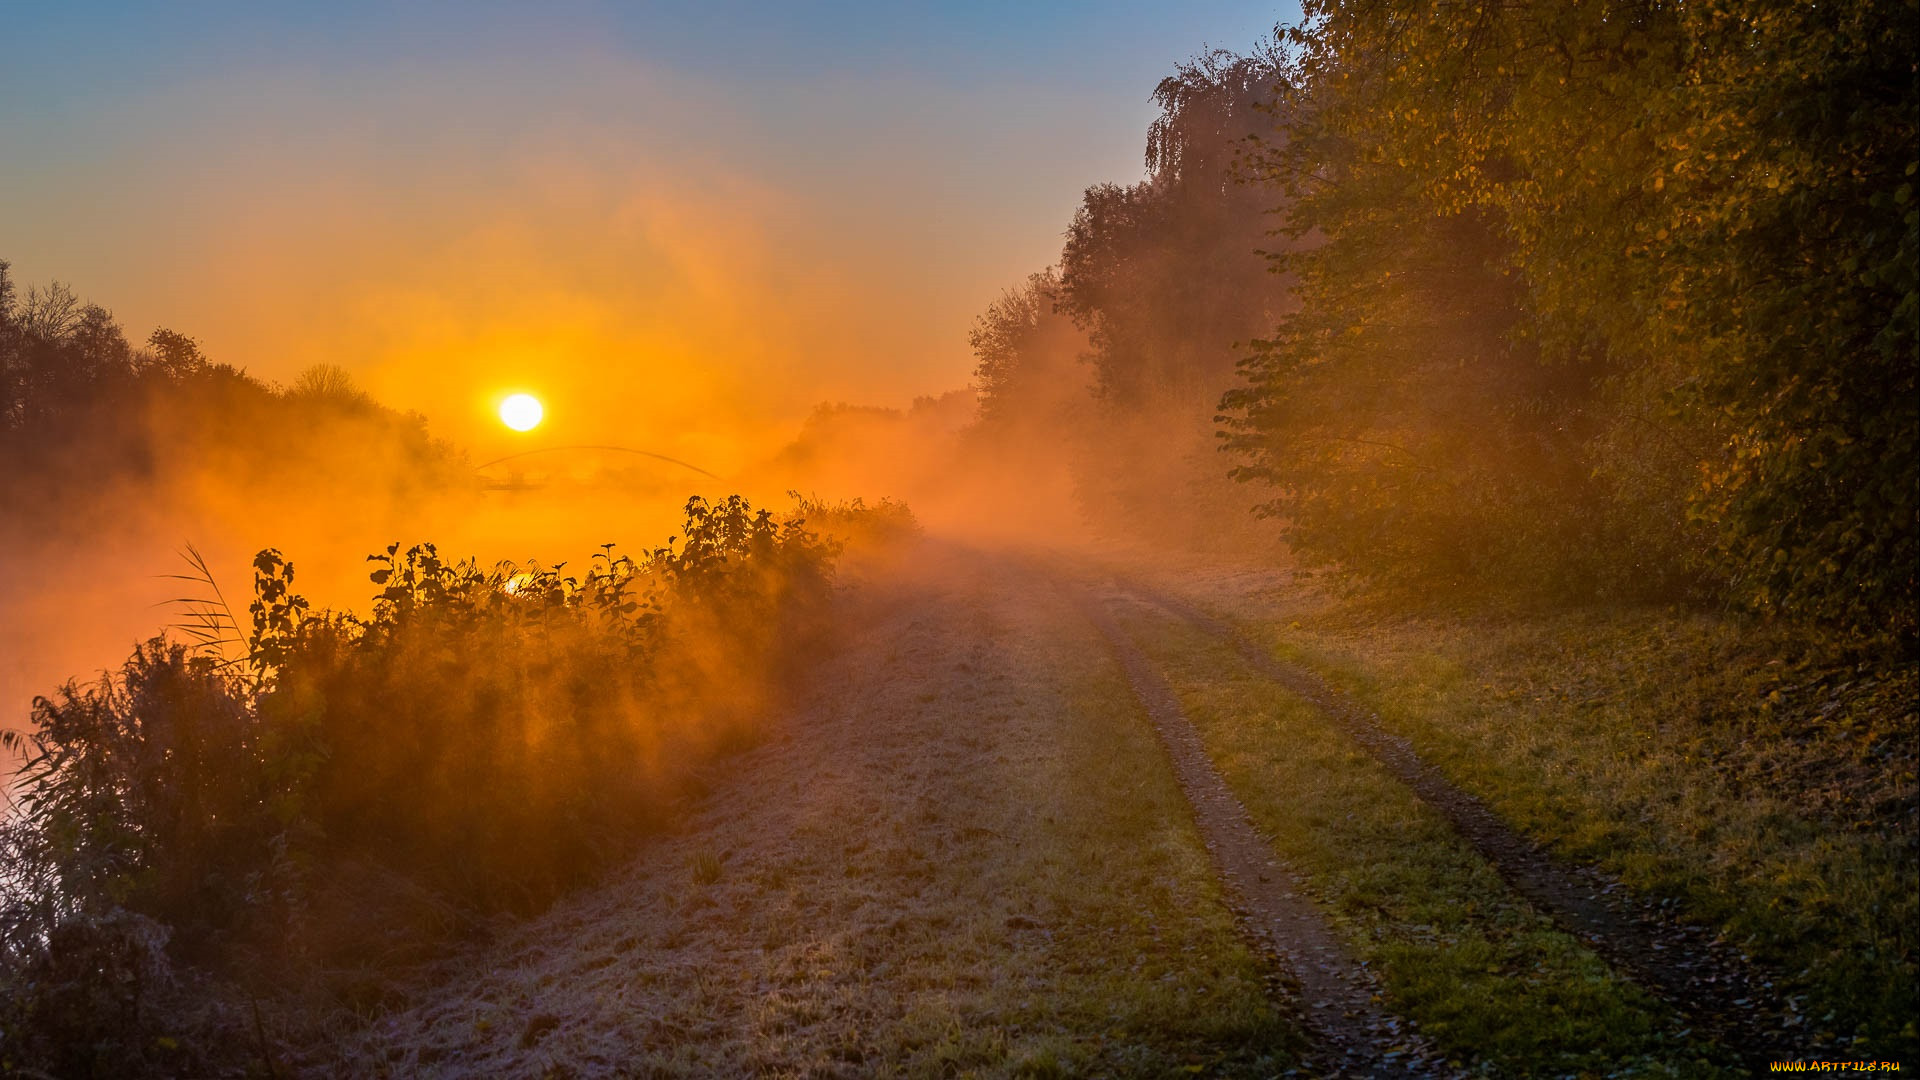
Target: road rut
[(1355, 1036), (1722, 994)]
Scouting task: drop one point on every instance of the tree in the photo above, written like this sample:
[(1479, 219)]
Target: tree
[(1027, 354), (1694, 292), (1165, 275)]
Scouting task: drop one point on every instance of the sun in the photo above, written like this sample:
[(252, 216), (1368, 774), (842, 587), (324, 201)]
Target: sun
[(521, 412)]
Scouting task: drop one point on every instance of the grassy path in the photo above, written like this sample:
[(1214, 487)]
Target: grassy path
[(964, 855), (1722, 994), (1486, 974), (1353, 1034), (1752, 783)]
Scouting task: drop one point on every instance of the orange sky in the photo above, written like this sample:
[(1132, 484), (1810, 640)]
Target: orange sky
[(679, 227)]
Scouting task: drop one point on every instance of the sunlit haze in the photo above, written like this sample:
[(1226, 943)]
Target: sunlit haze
[(1283, 538), (683, 228), (700, 218)]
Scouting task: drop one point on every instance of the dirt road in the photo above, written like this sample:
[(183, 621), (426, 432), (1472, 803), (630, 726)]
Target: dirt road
[(961, 851), (994, 837)]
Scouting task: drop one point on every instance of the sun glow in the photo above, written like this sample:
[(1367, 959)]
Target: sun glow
[(521, 412)]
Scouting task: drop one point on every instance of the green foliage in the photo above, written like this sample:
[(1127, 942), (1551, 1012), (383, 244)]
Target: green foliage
[(147, 790), (141, 818), (86, 1005), (499, 731), (1408, 436), (1631, 287), (1794, 174)]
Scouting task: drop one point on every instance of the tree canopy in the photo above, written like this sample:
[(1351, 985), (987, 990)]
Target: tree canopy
[(1613, 295)]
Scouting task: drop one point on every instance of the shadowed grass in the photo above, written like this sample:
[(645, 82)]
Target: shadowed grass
[(1758, 777), (1487, 977)]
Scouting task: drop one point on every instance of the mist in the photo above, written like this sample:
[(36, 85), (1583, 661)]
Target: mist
[(612, 540), (671, 259)]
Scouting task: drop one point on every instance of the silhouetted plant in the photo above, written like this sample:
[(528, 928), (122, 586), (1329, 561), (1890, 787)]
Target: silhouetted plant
[(497, 734)]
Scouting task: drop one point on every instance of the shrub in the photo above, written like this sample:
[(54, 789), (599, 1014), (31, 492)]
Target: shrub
[(854, 523), (495, 735), (83, 1002)]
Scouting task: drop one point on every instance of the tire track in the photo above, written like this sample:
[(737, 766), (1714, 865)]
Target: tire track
[(1721, 993), (1353, 1035)]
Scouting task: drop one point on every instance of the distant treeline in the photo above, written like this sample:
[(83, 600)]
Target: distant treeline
[(1611, 299), (82, 408)]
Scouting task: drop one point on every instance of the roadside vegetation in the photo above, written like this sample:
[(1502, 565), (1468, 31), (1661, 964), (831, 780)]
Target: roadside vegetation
[(1571, 350), (1573, 305), (339, 793), (1757, 780)]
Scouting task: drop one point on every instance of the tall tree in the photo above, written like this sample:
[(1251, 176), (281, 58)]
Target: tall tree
[(1165, 274)]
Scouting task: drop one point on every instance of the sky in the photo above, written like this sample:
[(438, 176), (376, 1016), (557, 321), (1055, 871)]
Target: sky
[(680, 225)]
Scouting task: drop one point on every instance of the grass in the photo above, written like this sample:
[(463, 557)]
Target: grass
[(1491, 980), (1760, 778), (1160, 969)]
